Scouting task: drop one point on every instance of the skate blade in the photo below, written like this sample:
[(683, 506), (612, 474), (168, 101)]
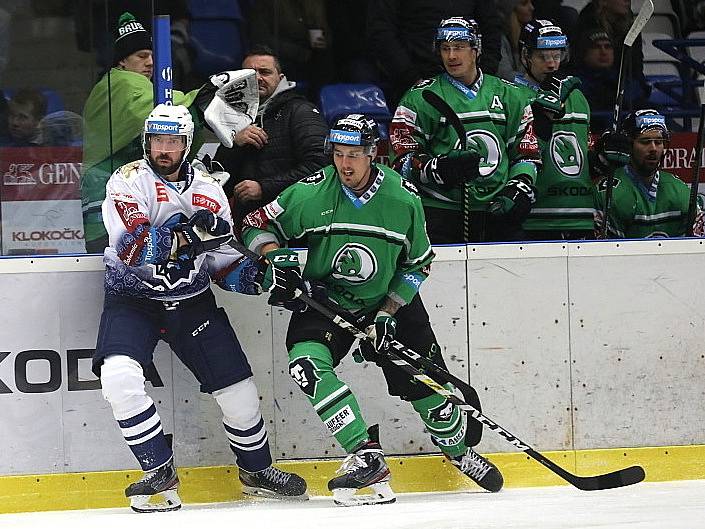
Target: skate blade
[(265, 493), (383, 494), (171, 502)]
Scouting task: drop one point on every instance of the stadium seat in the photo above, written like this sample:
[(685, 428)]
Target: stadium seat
[(216, 35), (578, 5), (339, 99), (651, 52)]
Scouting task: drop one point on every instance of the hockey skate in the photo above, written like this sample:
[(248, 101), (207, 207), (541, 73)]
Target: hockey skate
[(479, 469), (365, 467), (162, 481), (273, 483)]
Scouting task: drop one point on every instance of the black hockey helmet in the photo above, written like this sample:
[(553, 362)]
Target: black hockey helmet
[(641, 121), (353, 129), (542, 35), (458, 28)]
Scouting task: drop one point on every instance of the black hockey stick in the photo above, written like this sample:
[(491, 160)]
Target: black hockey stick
[(401, 355), (697, 164), (647, 9), (453, 120)]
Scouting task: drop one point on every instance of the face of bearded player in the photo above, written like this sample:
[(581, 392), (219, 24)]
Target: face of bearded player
[(166, 152)]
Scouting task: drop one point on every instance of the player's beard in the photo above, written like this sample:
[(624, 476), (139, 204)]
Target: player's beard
[(164, 169)]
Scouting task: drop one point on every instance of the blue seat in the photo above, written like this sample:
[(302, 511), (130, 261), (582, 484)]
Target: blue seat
[(667, 90), (336, 100), (55, 102)]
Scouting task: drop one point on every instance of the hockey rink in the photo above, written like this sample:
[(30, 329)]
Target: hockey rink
[(671, 505)]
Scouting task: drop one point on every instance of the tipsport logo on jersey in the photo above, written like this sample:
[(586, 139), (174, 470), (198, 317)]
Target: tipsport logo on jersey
[(354, 262)]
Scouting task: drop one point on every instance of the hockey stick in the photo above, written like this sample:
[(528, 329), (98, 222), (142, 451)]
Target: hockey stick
[(400, 357), (697, 164), (647, 9), (453, 120)]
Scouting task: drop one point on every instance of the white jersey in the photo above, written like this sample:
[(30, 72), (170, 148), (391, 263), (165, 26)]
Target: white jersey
[(139, 211)]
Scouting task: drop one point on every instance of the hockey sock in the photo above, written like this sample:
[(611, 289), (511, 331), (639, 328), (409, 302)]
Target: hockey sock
[(311, 367), (244, 425), (122, 381), (444, 421)]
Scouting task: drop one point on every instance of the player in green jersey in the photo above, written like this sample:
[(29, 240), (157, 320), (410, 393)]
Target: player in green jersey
[(646, 201), (564, 207), (499, 162), (368, 247)]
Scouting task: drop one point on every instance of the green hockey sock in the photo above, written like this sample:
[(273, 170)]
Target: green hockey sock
[(311, 367), (445, 422)]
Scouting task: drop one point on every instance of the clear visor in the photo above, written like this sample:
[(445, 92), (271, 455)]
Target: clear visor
[(547, 56), (329, 146), (165, 142)]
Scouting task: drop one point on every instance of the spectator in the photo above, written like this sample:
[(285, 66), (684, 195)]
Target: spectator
[(614, 17), (25, 110), (594, 63), (298, 33), (564, 192), (61, 129), (646, 201), (563, 16), (515, 13), (114, 115), (401, 34), (489, 185), (284, 144)]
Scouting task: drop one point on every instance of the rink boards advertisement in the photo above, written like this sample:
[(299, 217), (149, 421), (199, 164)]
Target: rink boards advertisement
[(40, 200), (570, 346)]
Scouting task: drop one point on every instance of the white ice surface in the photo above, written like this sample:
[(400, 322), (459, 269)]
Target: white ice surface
[(673, 505)]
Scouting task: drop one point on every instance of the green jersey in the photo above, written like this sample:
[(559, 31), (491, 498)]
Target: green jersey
[(362, 248), (564, 190), (497, 119), (637, 211), (106, 148)]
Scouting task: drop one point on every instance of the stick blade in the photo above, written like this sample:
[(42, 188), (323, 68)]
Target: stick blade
[(647, 9), (618, 478)]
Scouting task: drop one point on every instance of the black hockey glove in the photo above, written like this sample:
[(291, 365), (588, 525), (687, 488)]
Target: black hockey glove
[(554, 92), (614, 147), (452, 169), (202, 233), (282, 277), (381, 332), (514, 201), (313, 289)]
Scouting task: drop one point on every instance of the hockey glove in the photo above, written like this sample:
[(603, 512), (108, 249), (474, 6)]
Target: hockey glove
[(554, 92), (282, 277), (202, 233), (452, 169), (514, 200), (313, 289), (382, 332), (212, 167), (614, 148)]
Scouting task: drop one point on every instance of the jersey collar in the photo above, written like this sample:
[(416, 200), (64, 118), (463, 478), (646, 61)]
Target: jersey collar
[(359, 201), (469, 91), (649, 191), (186, 174)]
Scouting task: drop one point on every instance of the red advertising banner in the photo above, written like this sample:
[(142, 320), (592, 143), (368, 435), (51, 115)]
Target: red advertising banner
[(40, 200), (680, 154)]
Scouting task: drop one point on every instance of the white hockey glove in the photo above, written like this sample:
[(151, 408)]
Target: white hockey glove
[(212, 167), (233, 105)]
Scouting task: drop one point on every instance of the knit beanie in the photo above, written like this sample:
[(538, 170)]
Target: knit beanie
[(130, 38)]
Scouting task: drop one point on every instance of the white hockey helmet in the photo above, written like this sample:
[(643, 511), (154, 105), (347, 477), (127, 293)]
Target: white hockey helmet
[(170, 120)]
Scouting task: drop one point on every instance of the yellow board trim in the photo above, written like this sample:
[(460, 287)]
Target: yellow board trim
[(93, 490)]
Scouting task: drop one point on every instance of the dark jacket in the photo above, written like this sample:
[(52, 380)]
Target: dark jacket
[(401, 35), (296, 132)]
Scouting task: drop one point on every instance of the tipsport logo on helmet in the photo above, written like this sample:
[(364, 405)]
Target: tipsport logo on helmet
[(163, 127), (458, 33), (346, 137), (652, 120), (355, 263), (552, 42)]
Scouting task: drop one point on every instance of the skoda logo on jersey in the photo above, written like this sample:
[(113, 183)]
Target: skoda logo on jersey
[(355, 263), (566, 154), (487, 146), (163, 127)]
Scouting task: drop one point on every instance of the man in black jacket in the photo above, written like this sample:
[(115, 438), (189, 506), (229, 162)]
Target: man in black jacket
[(400, 35), (284, 144)]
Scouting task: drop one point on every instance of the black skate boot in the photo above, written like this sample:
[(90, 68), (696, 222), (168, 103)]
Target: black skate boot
[(161, 481), (273, 483), (479, 469), (365, 467)]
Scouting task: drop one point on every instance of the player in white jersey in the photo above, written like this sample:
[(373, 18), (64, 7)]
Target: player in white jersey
[(167, 224)]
